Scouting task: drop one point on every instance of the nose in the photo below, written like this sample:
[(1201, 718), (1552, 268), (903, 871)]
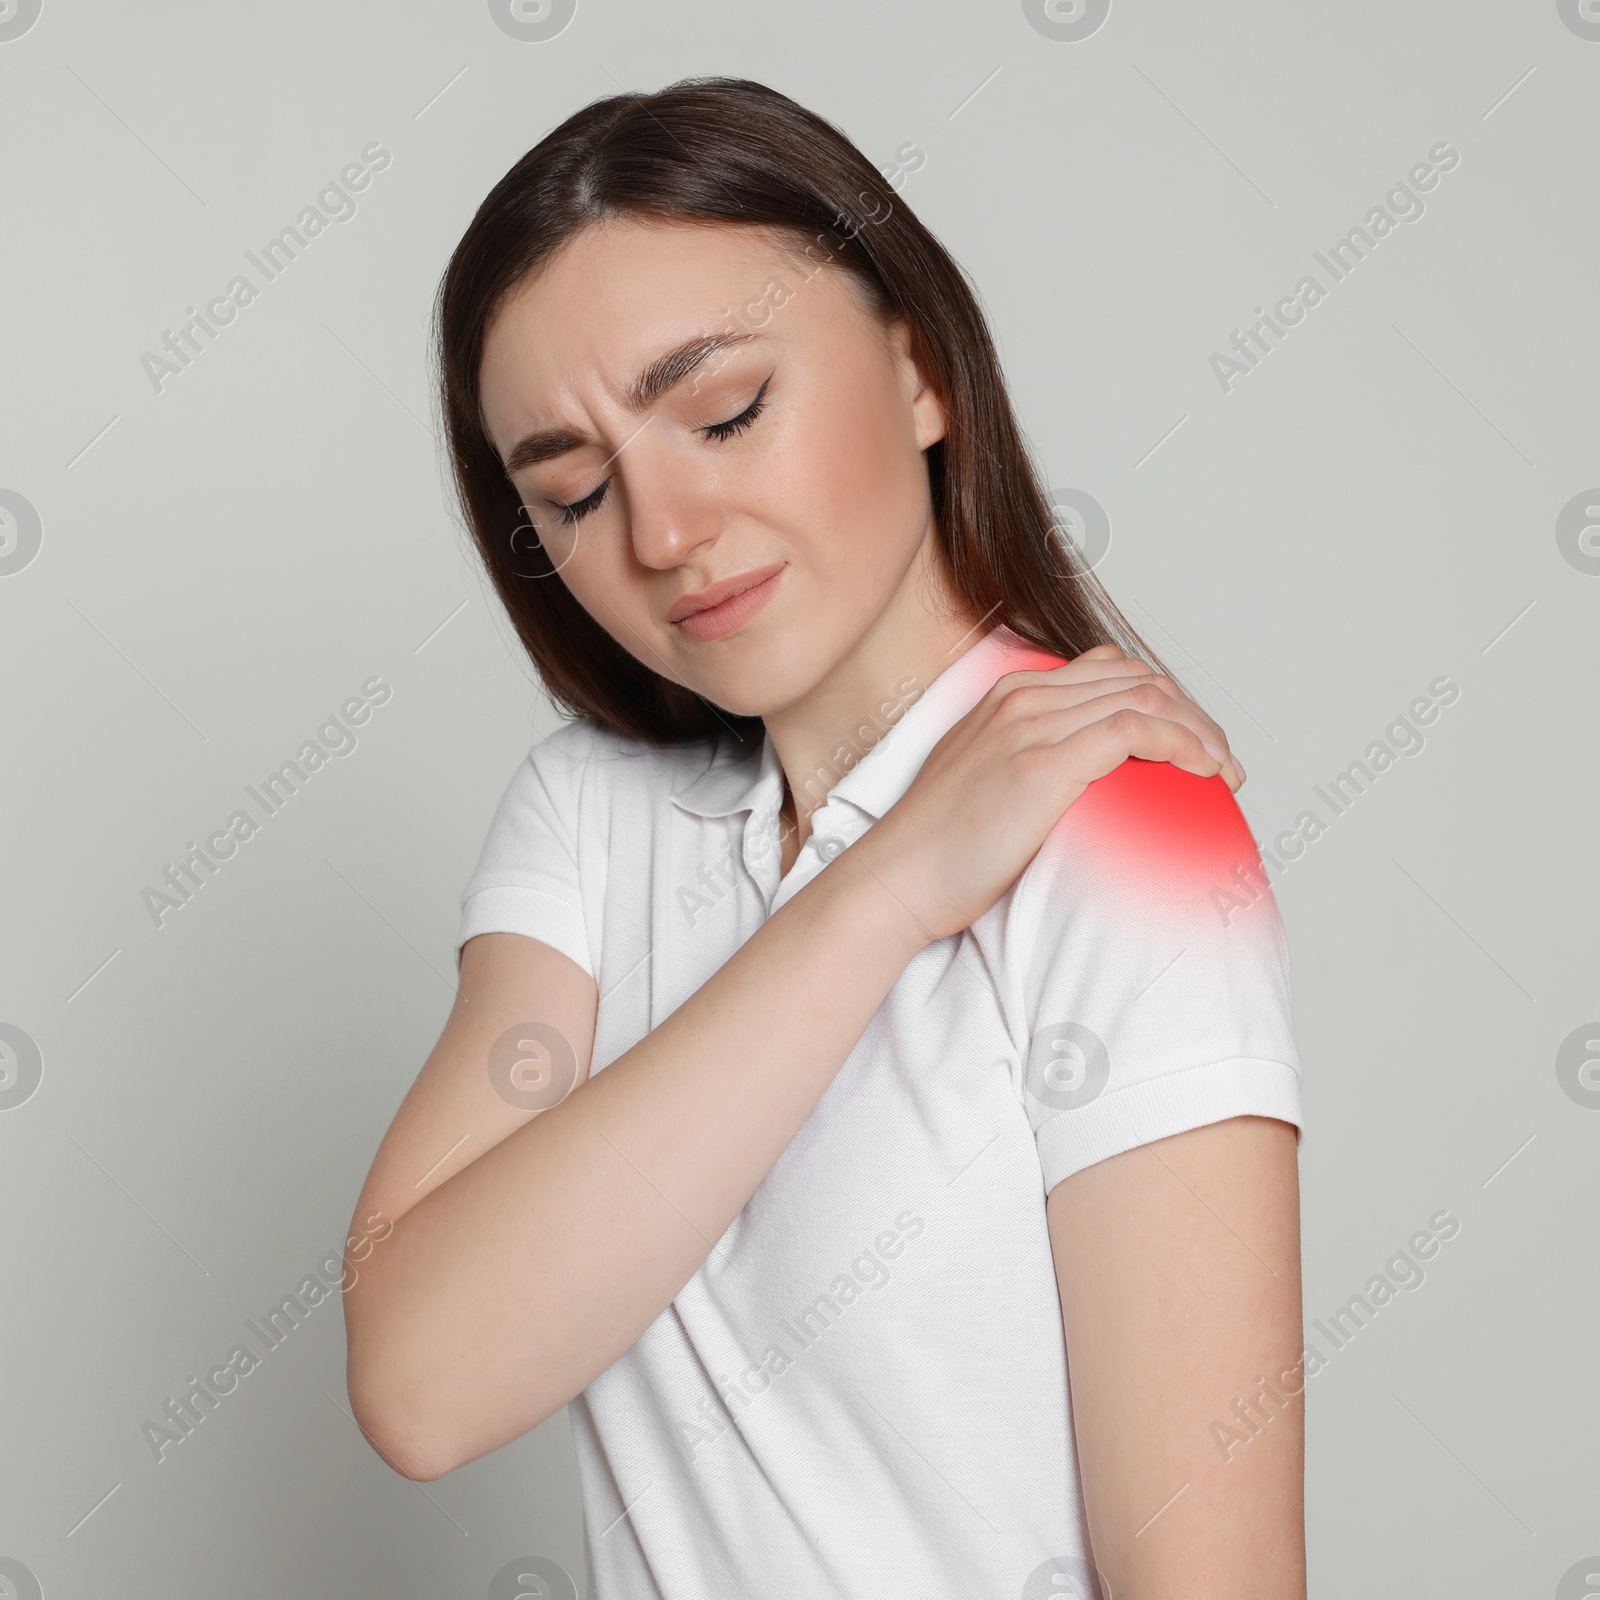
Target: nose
[(670, 507)]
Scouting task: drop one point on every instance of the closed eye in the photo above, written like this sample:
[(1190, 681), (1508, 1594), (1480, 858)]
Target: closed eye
[(717, 431), (726, 430), (581, 508)]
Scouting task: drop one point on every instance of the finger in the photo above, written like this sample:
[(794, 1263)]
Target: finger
[(1083, 669), (1109, 740), (1107, 678), (1101, 652), (1208, 731), (1177, 695), (1126, 711), (1211, 732), (1041, 693)]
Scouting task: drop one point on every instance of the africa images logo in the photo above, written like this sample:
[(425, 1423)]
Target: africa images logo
[(335, 202), (1402, 203), (184, 879)]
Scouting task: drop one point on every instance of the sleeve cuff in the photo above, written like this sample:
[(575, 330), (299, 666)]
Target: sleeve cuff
[(509, 908), (1169, 1104)]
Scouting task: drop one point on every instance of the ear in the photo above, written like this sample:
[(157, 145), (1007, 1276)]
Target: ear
[(927, 407)]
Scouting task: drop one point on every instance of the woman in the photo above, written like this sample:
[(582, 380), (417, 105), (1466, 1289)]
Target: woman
[(942, 1008)]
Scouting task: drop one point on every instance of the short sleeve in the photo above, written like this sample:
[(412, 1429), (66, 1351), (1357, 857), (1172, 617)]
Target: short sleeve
[(526, 880), (1154, 971)]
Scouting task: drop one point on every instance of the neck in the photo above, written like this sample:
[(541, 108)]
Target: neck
[(819, 738)]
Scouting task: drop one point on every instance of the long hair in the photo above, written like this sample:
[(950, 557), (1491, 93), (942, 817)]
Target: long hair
[(731, 151)]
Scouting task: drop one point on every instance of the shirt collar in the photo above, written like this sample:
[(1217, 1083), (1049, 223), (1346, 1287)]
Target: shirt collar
[(741, 776), (885, 772), (741, 779)]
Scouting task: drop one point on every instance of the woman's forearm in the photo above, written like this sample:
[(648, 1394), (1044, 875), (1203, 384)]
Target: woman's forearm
[(507, 1289)]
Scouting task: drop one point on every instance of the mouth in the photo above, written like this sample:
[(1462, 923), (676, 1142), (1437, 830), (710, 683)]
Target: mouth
[(727, 606)]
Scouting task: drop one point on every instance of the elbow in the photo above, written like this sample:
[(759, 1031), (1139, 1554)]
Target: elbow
[(413, 1404), (410, 1434), (402, 1437), (421, 1468), (388, 1399), (419, 1465)]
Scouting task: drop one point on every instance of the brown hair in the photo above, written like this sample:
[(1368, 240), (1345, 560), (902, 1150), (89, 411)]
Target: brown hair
[(730, 151)]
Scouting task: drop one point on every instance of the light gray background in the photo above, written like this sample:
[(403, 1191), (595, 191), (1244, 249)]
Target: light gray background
[(224, 563)]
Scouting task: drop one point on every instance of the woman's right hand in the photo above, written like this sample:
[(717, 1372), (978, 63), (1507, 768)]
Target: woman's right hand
[(997, 783)]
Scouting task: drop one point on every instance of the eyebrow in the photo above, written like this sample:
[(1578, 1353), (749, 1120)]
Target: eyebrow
[(662, 374)]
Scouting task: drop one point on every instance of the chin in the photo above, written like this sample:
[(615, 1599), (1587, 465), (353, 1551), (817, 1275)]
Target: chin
[(762, 677)]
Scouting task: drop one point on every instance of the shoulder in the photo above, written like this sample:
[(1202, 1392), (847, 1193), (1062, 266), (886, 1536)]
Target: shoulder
[(577, 744), (580, 789), (1149, 899), (1148, 840), (1152, 819), (583, 758)]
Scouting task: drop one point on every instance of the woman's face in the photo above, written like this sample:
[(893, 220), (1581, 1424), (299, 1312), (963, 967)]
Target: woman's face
[(790, 453)]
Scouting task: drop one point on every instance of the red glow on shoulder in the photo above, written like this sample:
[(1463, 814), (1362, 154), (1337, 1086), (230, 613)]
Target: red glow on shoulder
[(1029, 658), (1164, 831)]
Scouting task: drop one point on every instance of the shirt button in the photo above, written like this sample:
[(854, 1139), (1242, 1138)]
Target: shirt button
[(828, 849)]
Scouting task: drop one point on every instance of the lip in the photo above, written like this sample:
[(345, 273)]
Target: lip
[(723, 589), (740, 607), (719, 621)]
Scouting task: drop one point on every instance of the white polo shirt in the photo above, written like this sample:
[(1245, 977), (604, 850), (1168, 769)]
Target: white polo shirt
[(862, 1392)]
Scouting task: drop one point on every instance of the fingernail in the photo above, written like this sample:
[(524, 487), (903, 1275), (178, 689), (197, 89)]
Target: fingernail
[(1217, 755), (1239, 768)]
